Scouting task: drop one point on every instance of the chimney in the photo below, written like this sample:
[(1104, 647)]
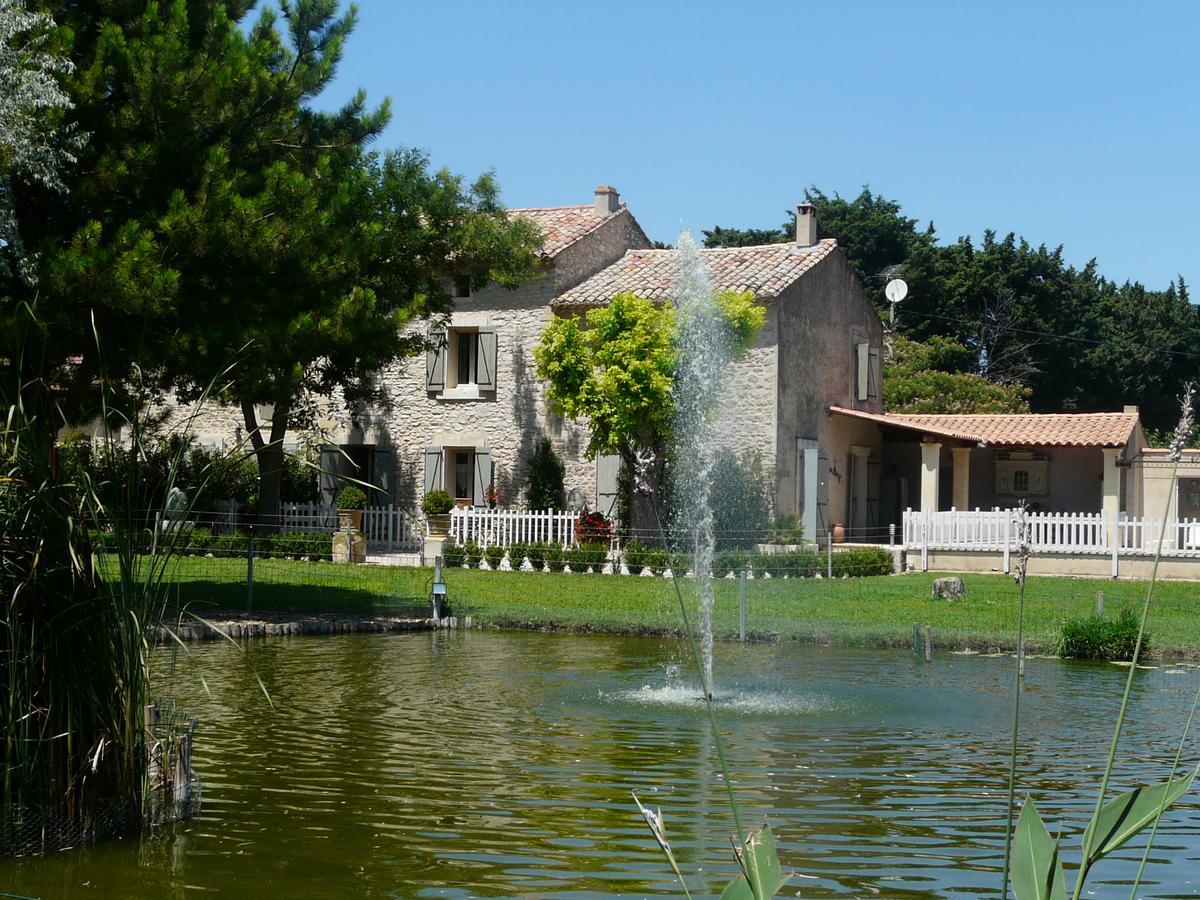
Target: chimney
[(806, 224), (608, 201), (1131, 411)]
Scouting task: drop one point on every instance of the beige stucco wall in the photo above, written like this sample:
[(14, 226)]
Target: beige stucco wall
[(1154, 471), (1064, 564), (820, 319)]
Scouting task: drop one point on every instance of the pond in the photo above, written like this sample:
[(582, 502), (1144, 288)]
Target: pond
[(491, 763)]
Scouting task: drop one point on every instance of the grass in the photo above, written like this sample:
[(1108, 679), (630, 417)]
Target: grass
[(855, 611)]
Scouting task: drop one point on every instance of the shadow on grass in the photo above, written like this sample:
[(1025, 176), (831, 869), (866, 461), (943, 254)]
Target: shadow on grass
[(208, 597)]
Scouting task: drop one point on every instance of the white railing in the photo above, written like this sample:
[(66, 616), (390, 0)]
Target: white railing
[(386, 527), (996, 529), (489, 527)]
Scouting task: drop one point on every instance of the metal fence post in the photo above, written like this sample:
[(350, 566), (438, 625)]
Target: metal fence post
[(742, 607), (250, 571), (1100, 604), (829, 558)]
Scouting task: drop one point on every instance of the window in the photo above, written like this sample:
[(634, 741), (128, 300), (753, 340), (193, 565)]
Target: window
[(1020, 481), (461, 362), (463, 476), (461, 289), (465, 342)]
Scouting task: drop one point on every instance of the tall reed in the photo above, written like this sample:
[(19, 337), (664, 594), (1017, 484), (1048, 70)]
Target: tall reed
[(81, 598)]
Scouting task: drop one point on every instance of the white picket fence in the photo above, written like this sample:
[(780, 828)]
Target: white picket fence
[(490, 527), (386, 527), (996, 529)]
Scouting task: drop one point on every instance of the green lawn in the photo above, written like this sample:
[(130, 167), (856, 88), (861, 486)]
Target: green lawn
[(878, 610)]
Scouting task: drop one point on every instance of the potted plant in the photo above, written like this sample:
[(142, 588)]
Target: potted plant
[(437, 505), (351, 501)]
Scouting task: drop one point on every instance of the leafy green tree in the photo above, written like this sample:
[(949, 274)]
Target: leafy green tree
[(614, 368), (938, 377), (35, 144), (215, 214)]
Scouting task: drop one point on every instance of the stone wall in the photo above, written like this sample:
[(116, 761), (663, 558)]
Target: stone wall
[(598, 249), (746, 415)]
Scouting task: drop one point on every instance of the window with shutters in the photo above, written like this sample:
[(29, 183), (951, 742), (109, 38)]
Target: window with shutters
[(463, 472), (463, 364), (866, 371), (463, 475)]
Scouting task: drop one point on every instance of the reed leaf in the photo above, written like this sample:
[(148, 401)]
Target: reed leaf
[(1037, 871), (762, 877), (1127, 814)]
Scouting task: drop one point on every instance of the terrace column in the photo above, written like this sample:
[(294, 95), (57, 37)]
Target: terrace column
[(931, 461), (1111, 502), (962, 477)]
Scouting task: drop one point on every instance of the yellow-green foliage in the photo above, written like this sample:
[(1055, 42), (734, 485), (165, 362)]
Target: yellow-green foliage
[(614, 367)]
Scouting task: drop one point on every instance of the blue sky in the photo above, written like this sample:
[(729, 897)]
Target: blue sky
[(1068, 123)]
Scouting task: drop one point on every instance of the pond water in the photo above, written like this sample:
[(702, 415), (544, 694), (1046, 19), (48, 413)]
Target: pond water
[(487, 763)]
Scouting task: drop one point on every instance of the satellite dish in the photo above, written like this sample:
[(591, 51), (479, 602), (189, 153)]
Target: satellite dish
[(896, 290)]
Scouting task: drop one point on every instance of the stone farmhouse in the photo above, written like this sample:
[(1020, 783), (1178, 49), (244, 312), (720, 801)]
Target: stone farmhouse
[(469, 414)]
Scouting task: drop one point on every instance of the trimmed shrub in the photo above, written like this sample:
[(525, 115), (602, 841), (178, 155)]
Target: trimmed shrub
[(544, 477), (351, 497), (311, 545), (862, 561), (493, 554), (794, 564), (580, 556), (536, 551), (680, 562), (230, 543), (453, 556), (555, 556), (472, 554), (437, 503), (199, 540), (1097, 637), (726, 561), (517, 552), (640, 556)]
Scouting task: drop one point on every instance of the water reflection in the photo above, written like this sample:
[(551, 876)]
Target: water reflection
[(488, 764)]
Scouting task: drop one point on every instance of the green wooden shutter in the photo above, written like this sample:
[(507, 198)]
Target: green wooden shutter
[(384, 476), (329, 463), (485, 359), (433, 469), (483, 475), (608, 467), (435, 362), (862, 359)]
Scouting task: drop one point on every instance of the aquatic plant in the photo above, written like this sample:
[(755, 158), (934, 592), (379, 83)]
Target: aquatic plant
[(1100, 637)]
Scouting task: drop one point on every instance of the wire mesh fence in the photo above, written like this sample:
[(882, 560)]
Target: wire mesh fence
[(170, 792)]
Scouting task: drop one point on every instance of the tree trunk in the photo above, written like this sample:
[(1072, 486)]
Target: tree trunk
[(269, 453)]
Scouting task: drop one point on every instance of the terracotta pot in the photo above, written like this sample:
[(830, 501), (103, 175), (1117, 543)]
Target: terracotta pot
[(839, 533), (439, 525), (350, 518)]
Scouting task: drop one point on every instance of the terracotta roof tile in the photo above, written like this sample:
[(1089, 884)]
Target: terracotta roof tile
[(766, 270), (1016, 430), (563, 225)]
